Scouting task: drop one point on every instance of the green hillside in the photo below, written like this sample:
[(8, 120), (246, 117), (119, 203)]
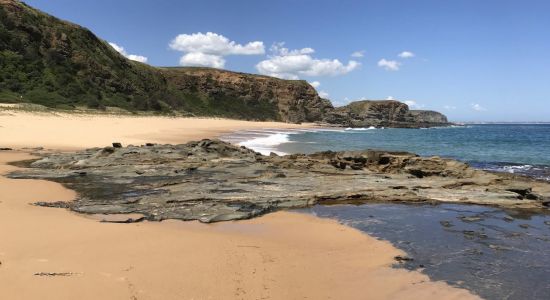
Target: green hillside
[(51, 62)]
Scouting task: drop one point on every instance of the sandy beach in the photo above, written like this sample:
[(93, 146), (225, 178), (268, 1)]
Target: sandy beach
[(76, 131), (50, 253)]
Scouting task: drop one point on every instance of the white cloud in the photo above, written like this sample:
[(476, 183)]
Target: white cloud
[(389, 65), (139, 58), (201, 59), (478, 107), (342, 102), (323, 94), (406, 54), (121, 50), (449, 107), (390, 98), (358, 54), (315, 84), (215, 44), (208, 49), (413, 104), (292, 64)]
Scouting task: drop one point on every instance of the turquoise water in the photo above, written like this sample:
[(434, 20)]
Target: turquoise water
[(517, 148)]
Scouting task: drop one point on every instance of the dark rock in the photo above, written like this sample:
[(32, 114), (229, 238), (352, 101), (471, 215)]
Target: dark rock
[(402, 259), (470, 219), (470, 234), (149, 144), (446, 224), (54, 274), (525, 226), (108, 150), (126, 221), (524, 193), (117, 145), (5, 149), (508, 219), (213, 181), (56, 204)]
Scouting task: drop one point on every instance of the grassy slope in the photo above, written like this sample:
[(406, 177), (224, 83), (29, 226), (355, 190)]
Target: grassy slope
[(47, 61)]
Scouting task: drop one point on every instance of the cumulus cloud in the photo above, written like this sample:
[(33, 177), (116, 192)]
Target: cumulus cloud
[(478, 107), (315, 84), (292, 64), (201, 59), (449, 107), (323, 94), (406, 54), (413, 104), (390, 98), (209, 49), (358, 54), (121, 50), (389, 65)]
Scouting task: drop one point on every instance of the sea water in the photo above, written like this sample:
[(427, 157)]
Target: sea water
[(498, 254)]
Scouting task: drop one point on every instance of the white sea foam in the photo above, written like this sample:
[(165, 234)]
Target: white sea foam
[(361, 128), (267, 144)]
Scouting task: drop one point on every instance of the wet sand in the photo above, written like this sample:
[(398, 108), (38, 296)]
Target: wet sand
[(51, 253)]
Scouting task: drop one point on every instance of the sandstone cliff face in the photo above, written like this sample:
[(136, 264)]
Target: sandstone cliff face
[(383, 113), (276, 99)]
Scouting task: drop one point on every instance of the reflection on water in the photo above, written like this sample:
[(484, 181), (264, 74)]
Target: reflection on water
[(494, 253)]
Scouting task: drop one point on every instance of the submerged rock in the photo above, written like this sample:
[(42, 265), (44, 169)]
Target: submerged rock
[(212, 181)]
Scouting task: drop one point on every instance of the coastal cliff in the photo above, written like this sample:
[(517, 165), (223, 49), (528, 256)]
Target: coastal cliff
[(58, 64), (383, 113), (55, 63), (277, 99)]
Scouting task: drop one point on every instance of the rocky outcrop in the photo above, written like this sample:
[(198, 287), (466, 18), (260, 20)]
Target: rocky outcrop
[(383, 113), (254, 95), (428, 117), (213, 181)]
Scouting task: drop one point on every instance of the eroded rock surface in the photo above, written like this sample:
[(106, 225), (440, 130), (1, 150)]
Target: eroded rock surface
[(213, 181), (383, 113)]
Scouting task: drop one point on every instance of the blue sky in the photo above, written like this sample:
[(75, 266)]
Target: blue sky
[(473, 60)]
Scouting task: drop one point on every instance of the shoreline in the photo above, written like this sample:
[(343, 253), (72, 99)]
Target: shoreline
[(60, 254), (262, 257), (62, 131)]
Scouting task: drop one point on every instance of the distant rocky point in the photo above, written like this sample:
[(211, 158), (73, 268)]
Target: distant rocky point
[(383, 113), (55, 63)]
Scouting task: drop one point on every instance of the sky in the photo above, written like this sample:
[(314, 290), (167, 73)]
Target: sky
[(472, 60)]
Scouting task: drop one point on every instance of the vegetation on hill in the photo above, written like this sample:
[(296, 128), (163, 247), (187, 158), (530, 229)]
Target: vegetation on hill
[(54, 63), (47, 61)]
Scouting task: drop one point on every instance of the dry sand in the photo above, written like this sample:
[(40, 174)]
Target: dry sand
[(279, 256), (75, 131)]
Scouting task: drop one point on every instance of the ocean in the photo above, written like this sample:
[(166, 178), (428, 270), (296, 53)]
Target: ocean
[(514, 148), (498, 254)]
